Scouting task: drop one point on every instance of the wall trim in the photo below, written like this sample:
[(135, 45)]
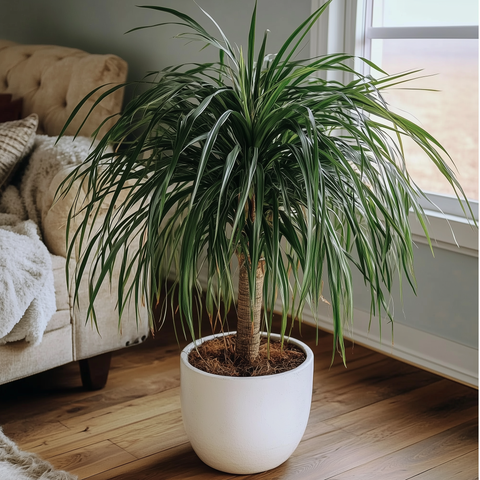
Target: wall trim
[(447, 232), (421, 349)]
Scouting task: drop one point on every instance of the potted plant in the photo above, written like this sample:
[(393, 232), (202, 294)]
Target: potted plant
[(252, 158)]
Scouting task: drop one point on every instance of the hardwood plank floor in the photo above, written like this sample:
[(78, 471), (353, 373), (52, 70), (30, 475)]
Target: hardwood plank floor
[(377, 419)]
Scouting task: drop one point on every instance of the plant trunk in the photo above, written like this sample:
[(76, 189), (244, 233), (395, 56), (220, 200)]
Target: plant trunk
[(249, 316)]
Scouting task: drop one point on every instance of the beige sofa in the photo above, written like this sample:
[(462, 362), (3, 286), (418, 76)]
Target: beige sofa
[(51, 81)]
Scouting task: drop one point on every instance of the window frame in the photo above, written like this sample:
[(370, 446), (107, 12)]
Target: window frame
[(343, 28)]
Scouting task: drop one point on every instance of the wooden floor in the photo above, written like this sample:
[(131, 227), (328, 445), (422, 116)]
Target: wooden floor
[(377, 419)]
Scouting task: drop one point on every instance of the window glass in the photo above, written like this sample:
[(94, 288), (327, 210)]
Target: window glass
[(450, 67), (450, 113), (424, 13)]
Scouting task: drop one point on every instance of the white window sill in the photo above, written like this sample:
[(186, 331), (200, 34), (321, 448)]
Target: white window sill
[(447, 232)]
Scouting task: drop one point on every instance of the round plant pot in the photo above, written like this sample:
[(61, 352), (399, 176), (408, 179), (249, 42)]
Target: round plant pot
[(245, 425)]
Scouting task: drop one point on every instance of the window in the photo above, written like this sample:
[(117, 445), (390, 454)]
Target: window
[(439, 38)]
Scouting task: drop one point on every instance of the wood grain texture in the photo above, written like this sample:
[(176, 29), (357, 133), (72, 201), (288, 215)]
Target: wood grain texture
[(461, 468), (376, 419)]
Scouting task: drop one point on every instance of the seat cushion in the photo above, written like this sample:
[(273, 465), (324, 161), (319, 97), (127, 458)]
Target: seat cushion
[(59, 320), (21, 359)]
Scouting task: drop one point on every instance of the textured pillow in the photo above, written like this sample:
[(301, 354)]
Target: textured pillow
[(16, 141)]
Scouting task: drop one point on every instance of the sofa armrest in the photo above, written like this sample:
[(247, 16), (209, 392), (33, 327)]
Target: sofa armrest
[(55, 211)]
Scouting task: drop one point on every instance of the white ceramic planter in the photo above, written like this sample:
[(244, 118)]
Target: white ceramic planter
[(245, 425)]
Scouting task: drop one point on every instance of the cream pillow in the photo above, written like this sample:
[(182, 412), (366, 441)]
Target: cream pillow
[(16, 141)]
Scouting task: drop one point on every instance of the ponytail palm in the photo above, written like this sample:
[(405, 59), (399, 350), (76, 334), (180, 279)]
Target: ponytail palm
[(254, 157)]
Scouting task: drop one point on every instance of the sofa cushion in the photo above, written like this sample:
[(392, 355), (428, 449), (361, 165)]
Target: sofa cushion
[(60, 319), (16, 141), (21, 359)]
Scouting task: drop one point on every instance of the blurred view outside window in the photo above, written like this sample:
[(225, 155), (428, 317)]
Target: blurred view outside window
[(438, 37)]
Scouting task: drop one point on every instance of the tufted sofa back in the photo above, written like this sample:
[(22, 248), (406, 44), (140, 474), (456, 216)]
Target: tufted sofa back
[(53, 80)]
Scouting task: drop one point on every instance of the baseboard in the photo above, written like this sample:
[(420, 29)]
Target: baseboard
[(425, 350)]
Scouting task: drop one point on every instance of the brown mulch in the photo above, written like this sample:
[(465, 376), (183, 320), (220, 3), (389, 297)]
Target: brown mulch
[(218, 357)]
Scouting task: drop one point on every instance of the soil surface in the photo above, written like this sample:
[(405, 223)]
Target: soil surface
[(218, 357)]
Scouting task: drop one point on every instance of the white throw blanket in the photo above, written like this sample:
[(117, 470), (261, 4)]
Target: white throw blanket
[(27, 294)]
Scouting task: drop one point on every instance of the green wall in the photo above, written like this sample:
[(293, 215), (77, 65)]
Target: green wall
[(99, 26)]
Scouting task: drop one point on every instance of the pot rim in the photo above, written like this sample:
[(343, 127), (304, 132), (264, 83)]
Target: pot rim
[(307, 350)]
